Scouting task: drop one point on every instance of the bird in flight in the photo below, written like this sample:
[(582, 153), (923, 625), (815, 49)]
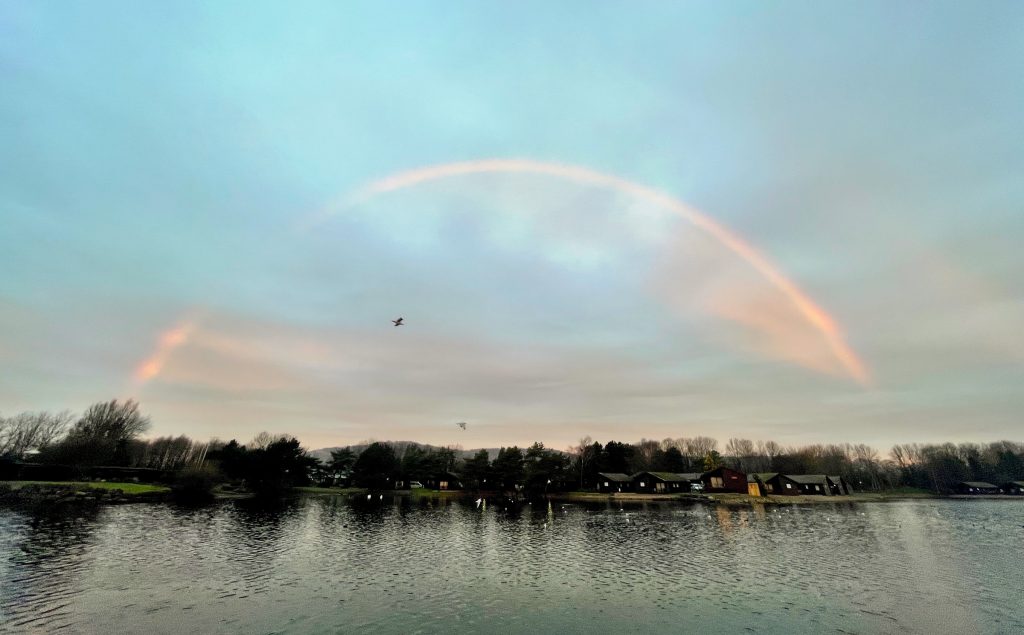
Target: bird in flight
[(398, 322), (461, 424)]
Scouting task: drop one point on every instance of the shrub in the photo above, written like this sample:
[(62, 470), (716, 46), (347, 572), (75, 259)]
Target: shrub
[(195, 484)]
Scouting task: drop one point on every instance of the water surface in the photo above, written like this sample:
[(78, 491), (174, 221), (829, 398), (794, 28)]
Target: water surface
[(331, 564)]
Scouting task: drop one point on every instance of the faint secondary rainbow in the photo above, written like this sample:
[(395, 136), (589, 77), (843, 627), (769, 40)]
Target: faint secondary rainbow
[(814, 314)]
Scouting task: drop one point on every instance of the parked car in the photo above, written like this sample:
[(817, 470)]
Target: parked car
[(415, 485), (696, 487)]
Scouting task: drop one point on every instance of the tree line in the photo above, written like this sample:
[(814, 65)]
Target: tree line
[(110, 434), (934, 467), (535, 469)]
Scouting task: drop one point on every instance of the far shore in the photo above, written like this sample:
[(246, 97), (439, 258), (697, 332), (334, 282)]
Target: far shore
[(115, 492), (732, 500)]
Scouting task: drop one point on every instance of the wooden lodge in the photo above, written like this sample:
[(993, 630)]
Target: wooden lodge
[(691, 477), (812, 484), (1013, 488), (975, 488), (724, 480), (771, 484), (660, 483), (444, 481), (840, 486), (614, 482)]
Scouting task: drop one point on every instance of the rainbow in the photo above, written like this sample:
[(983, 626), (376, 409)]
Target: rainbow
[(811, 312), (168, 341)]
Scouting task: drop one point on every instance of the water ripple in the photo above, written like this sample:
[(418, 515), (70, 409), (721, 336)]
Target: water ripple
[(330, 564)]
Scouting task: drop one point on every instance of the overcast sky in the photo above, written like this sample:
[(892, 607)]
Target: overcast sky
[(192, 213)]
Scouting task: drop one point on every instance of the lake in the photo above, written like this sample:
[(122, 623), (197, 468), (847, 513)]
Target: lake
[(332, 564)]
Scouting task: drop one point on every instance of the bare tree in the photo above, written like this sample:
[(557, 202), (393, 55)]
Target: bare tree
[(112, 421), (163, 453), (763, 456), (31, 431), (585, 453), (770, 449), (699, 447), (866, 459), (264, 440), (647, 453), (899, 455), (907, 454), (742, 453)]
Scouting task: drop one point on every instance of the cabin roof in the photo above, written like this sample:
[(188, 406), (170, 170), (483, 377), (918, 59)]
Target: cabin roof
[(690, 476), (979, 484), (669, 477), (763, 476), (808, 479), (1017, 483), (615, 476)]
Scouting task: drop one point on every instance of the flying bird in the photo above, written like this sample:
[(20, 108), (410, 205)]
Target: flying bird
[(398, 322), (461, 424)]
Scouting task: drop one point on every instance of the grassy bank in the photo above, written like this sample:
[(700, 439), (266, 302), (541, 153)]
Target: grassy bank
[(46, 494), (128, 489), (333, 491), (626, 496), (857, 497), (423, 492), (414, 493), (744, 499)]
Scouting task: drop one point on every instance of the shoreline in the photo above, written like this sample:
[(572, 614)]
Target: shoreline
[(61, 492), (728, 500), (53, 492)]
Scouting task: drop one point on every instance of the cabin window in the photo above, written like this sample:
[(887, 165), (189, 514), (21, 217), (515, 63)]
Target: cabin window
[(771, 488), (817, 489), (789, 486), (716, 481), (642, 484), (444, 484), (606, 483)]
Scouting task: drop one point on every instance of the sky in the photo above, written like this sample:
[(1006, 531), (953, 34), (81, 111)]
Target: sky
[(791, 221)]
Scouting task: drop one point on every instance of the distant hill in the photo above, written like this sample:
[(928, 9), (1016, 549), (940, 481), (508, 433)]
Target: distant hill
[(324, 454)]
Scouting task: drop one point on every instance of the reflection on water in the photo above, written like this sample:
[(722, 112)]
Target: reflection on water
[(46, 556), (331, 564)]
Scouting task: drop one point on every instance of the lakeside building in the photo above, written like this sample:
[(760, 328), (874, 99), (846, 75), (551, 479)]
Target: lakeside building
[(812, 484), (1013, 488), (975, 488), (771, 484), (26, 471), (444, 481), (840, 486), (614, 482), (692, 478), (724, 480), (660, 483)]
